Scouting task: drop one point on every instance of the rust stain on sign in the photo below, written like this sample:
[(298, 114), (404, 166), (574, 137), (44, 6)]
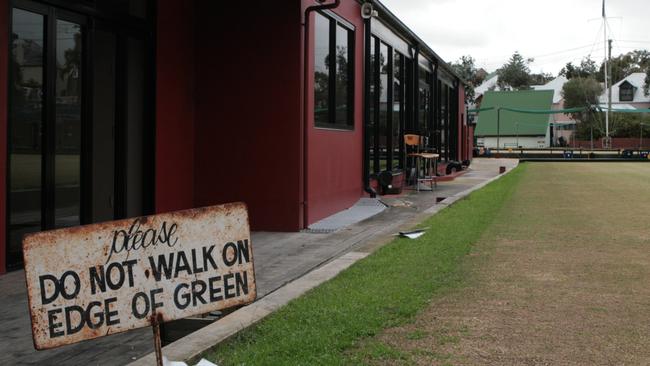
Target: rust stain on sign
[(90, 281)]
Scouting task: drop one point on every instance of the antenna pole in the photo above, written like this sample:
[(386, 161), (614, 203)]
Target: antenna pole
[(607, 86)]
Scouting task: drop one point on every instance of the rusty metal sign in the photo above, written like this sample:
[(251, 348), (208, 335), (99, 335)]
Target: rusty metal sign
[(90, 281)]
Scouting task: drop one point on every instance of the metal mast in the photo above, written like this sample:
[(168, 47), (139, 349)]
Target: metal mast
[(609, 105)]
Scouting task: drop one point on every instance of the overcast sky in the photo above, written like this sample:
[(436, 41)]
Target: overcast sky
[(553, 32)]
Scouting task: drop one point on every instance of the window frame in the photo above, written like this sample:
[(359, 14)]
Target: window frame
[(334, 22), (629, 92)]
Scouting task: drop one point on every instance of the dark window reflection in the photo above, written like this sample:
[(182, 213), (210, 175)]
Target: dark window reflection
[(68, 124), (443, 117), (342, 76), (26, 125), (425, 98), (371, 122), (333, 74), (398, 91), (321, 69), (383, 106)]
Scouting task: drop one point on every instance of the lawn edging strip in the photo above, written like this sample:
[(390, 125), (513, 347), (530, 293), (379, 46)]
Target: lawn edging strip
[(193, 346), (190, 347), (460, 195)]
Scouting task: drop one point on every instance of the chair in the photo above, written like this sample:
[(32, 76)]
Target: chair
[(430, 159)]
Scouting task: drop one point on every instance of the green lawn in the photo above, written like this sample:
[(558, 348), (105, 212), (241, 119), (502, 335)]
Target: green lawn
[(386, 289), (560, 277)]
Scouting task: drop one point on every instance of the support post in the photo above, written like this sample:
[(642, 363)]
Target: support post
[(155, 325), (517, 128), (498, 130)]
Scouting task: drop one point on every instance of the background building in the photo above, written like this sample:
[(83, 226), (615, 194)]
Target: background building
[(117, 109), (511, 129)]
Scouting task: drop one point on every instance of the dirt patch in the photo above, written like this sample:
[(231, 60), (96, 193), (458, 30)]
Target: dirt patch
[(561, 278)]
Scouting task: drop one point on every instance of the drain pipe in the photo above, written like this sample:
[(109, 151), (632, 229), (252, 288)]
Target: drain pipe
[(304, 125)]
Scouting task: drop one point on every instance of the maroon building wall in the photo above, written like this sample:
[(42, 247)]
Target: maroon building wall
[(4, 68), (461, 124), (175, 106), (334, 158), (248, 114)]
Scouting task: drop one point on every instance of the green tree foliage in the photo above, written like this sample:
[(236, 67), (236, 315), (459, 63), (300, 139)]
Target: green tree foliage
[(624, 65), (586, 69), (465, 67), (646, 87), (629, 125), (541, 78), (581, 92), (515, 73), (584, 92)]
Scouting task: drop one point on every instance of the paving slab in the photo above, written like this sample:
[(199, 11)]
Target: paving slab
[(280, 259)]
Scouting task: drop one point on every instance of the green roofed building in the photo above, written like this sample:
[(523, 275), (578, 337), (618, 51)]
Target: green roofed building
[(515, 129)]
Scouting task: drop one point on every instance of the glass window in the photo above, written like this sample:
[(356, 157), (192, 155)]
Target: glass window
[(626, 92), (443, 117), (383, 106), (321, 69), (333, 74), (371, 122), (397, 122), (425, 100), (68, 124), (343, 81), (26, 128)]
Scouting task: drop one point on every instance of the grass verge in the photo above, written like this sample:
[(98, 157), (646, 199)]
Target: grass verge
[(385, 289)]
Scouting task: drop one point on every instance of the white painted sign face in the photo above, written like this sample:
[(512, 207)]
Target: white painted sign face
[(90, 281)]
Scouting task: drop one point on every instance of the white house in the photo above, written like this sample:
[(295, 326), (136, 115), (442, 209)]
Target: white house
[(629, 91), (490, 83)]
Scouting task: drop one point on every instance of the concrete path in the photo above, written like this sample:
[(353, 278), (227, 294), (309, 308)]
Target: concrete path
[(279, 259)]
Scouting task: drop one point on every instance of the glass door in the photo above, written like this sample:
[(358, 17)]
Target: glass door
[(78, 152), (26, 124), (67, 124), (45, 122), (388, 77)]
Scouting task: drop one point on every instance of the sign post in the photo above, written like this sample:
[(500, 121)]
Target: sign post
[(91, 281), (155, 324)]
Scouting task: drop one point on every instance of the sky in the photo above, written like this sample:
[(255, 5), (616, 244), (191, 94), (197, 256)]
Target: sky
[(553, 32)]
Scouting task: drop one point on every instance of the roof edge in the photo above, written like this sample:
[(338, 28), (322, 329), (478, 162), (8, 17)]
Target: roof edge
[(395, 22)]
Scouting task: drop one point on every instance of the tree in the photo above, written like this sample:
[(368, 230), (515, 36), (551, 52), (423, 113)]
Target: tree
[(629, 125), (586, 69), (541, 78), (515, 73), (646, 87), (583, 92), (465, 67), (624, 65)]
